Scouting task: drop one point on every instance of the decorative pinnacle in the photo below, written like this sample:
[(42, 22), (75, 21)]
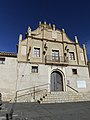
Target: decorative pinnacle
[(63, 30), (29, 31), (76, 39), (20, 37), (53, 27), (44, 22), (49, 25), (84, 47), (40, 23)]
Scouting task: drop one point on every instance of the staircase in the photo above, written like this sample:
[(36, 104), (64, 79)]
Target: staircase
[(55, 97), (61, 97), (40, 94)]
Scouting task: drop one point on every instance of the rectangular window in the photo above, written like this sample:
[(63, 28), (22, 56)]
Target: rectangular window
[(71, 56), (36, 52), (74, 71), (2, 60), (34, 69), (55, 55)]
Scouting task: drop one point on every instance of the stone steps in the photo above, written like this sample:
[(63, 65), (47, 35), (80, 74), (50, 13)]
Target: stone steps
[(60, 97), (55, 97)]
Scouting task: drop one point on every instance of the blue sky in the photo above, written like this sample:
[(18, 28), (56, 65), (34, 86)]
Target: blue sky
[(17, 15)]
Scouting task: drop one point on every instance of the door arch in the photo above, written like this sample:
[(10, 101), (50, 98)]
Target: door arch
[(56, 81)]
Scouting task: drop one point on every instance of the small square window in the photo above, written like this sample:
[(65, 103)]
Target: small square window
[(2, 60), (74, 71), (34, 69)]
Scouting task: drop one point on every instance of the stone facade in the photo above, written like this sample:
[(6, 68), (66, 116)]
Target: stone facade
[(46, 57)]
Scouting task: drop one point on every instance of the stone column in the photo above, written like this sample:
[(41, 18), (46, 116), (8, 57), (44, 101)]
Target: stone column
[(85, 55), (76, 46), (19, 46)]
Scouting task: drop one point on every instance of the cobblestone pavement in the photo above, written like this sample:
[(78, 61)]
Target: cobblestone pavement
[(57, 111)]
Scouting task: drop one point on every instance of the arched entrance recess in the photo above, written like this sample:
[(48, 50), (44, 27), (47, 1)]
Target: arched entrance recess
[(56, 81)]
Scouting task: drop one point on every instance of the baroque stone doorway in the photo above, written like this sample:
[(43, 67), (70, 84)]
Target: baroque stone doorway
[(56, 81)]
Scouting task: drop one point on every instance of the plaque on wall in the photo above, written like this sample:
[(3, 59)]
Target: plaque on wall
[(54, 34), (81, 84)]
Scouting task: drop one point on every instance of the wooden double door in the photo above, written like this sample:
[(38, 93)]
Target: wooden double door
[(56, 81)]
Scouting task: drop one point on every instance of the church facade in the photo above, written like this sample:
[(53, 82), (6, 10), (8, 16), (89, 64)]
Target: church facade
[(47, 58)]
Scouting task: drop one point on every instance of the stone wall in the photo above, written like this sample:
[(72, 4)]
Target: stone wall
[(8, 78)]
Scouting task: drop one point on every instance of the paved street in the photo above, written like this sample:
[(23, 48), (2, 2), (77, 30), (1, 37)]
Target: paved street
[(35, 111)]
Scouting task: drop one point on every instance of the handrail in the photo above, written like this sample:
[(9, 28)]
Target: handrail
[(31, 93), (32, 87), (72, 88)]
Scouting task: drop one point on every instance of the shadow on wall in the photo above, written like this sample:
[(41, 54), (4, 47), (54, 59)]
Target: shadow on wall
[(89, 67), (0, 101)]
